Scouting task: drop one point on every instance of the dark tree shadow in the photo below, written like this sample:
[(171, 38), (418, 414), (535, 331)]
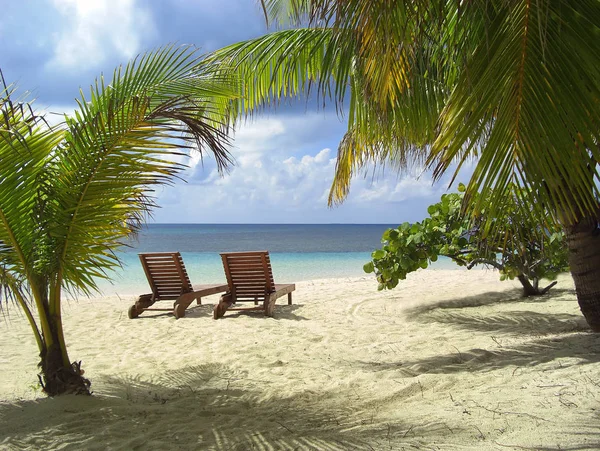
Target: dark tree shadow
[(200, 407), (578, 348), (522, 322), (214, 407), (464, 313), (554, 336), (585, 437), (489, 298)]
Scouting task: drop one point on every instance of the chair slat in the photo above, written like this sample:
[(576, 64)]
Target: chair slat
[(249, 274), (250, 279), (166, 274)]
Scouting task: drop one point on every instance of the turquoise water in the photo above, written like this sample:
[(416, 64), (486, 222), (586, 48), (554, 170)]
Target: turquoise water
[(298, 251)]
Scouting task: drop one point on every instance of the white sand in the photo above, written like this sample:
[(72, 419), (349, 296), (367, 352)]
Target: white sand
[(448, 360)]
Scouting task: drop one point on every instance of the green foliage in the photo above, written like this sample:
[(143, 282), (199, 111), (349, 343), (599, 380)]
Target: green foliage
[(511, 84), (515, 84), (524, 248), (70, 194)]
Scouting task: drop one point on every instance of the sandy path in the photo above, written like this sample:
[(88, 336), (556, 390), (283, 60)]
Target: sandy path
[(448, 360)]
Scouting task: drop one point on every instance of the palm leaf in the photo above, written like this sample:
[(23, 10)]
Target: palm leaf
[(26, 143), (513, 83), (531, 94), (119, 145)]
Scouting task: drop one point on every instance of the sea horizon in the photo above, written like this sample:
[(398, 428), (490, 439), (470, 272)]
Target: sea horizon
[(299, 252), (267, 223)]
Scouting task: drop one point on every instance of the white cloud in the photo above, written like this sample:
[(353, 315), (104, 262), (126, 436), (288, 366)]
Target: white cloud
[(252, 135), (271, 184), (97, 28), (392, 189), (54, 114)]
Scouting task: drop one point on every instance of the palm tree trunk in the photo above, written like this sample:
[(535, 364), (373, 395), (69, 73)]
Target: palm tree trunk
[(58, 376), (583, 239), (60, 379)]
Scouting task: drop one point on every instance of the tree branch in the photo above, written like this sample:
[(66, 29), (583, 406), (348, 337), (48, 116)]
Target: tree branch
[(545, 290), (485, 261)]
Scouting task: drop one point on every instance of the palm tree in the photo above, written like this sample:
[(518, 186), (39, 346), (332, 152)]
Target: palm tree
[(514, 84), (70, 194)]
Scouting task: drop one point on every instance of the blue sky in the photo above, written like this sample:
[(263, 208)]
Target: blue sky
[(284, 159)]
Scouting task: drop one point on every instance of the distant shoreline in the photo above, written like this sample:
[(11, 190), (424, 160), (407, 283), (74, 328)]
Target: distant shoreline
[(272, 223)]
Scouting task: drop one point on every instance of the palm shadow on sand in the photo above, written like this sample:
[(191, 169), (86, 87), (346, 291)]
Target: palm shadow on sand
[(551, 339), (207, 406), (567, 350), (552, 336), (489, 298)]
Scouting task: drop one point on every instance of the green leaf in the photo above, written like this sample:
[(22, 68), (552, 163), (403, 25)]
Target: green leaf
[(502, 84), (522, 242), (378, 254)]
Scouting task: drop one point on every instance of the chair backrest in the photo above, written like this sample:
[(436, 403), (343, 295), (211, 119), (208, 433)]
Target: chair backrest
[(166, 274), (249, 275)]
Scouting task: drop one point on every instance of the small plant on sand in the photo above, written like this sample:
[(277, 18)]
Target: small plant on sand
[(70, 194), (522, 249)]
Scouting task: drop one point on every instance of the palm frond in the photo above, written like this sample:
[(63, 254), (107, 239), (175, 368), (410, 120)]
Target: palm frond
[(514, 83), (530, 96), (26, 143), (392, 115), (286, 64), (120, 144)]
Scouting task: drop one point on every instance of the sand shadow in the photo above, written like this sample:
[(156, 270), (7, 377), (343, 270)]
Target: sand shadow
[(554, 337), (464, 312), (282, 312), (522, 322), (193, 311), (199, 407), (570, 349), (489, 298), (587, 440)]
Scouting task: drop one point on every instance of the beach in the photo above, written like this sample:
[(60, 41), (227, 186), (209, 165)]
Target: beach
[(448, 360)]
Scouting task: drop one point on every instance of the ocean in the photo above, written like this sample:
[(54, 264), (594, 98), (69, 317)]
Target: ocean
[(298, 251)]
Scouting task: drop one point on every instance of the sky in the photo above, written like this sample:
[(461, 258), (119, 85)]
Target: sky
[(285, 158)]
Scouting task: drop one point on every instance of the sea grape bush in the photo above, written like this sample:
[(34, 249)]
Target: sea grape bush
[(524, 249)]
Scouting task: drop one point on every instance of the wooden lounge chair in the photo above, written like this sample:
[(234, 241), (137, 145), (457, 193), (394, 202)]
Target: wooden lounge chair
[(169, 281), (250, 279)]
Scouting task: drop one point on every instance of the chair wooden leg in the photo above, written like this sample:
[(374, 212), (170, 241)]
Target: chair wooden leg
[(179, 307), (289, 298), (220, 309), (143, 302), (133, 312), (270, 305), (179, 311), (199, 301)]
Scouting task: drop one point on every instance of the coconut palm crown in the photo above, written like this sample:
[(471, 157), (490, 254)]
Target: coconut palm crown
[(512, 84), (70, 194)]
